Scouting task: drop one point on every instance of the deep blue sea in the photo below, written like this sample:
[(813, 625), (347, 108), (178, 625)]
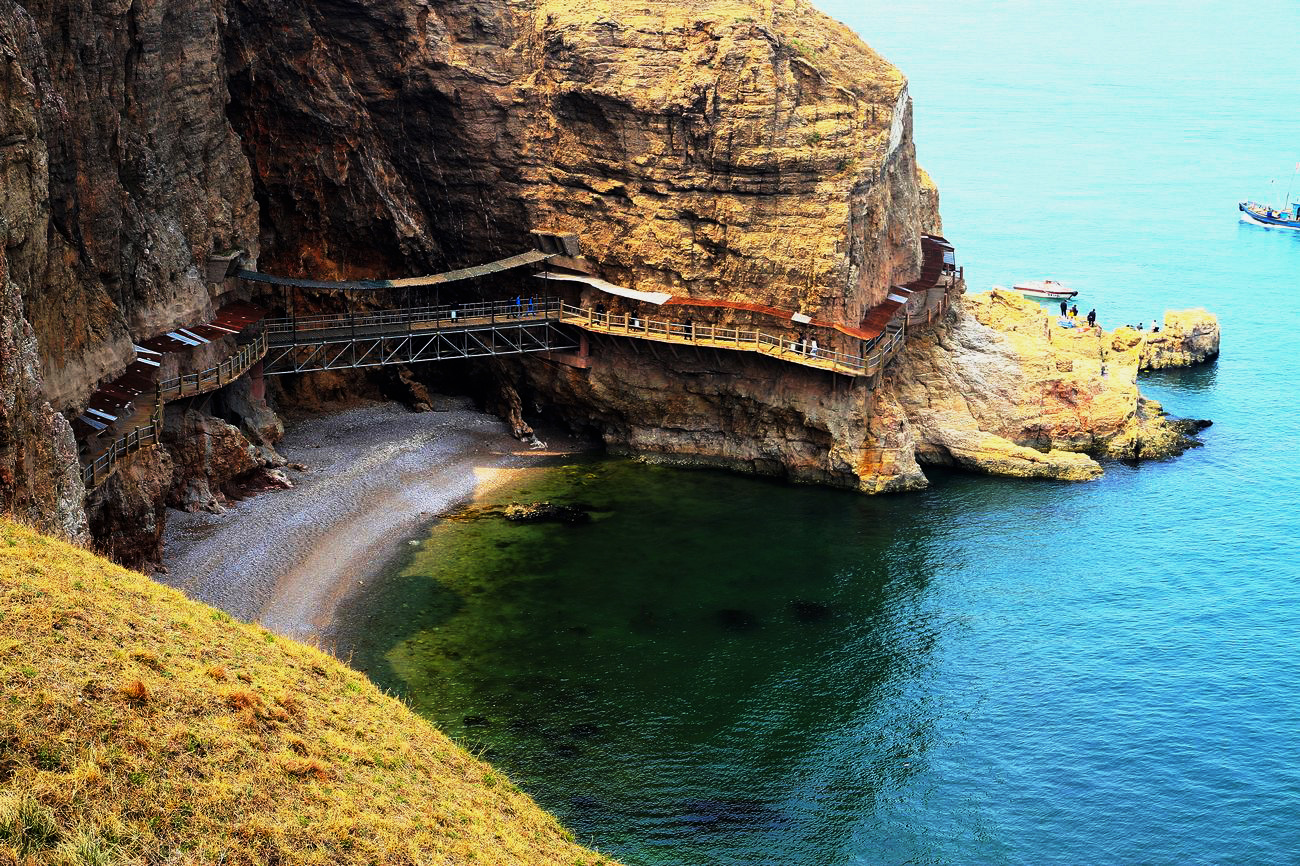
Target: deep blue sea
[(727, 670)]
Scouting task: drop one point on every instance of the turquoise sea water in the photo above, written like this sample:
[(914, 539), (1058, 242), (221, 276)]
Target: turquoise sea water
[(727, 670)]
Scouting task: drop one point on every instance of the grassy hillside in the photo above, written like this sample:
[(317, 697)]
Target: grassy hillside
[(137, 726)]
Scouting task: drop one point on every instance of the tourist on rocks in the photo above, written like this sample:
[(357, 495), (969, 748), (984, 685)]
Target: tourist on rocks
[(1074, 312), (1064, 308), (1092, 318), (1155, 327)]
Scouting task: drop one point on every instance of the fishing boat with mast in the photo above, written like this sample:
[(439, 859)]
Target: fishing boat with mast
[(1287, 217)]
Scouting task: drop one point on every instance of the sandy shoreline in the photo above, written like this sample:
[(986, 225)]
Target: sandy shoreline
[(377, 475)]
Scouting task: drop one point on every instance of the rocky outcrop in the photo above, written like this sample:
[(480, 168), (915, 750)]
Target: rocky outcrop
[(128, 511), (719, 149), (1003, 389), (1187, 337)]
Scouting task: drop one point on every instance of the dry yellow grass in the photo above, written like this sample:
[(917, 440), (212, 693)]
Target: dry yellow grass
[(137, 726)]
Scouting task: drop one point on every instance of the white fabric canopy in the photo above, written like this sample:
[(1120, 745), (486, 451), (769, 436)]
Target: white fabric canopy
[(648, 297)]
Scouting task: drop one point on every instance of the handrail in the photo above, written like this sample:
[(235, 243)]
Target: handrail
[(188, 385), (875, 353), (192, 384), (98, 470), (799, 352), (504, 311)]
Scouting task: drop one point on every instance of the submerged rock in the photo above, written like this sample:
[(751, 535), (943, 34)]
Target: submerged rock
[(539, 512)]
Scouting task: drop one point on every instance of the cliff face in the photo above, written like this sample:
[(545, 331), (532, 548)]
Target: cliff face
[(715, 149), (39, 478), (145, 176), (119, 173)]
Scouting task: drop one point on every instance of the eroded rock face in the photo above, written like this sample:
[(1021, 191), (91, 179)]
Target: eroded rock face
[(128, 511), (145, 176), (40, 478), (718, 149), (215, 459), (1002, 388)]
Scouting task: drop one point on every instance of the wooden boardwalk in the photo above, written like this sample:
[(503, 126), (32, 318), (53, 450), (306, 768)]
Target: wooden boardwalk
[(479, 329), (873, 359), (141, 416)]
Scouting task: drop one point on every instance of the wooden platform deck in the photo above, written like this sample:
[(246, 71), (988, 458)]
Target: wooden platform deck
[(735, 339)]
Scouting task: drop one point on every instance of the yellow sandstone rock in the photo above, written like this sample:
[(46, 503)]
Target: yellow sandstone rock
[(1006, 390)]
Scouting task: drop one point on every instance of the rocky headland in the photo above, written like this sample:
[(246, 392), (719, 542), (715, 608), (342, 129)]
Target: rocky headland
[(760, 155)]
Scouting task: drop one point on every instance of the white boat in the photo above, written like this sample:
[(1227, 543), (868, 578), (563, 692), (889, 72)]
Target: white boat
[(1050, 289)]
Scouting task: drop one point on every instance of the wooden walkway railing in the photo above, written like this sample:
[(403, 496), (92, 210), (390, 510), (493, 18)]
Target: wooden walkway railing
[(874, 357), (193, 384), (288, 333), (98, 470)]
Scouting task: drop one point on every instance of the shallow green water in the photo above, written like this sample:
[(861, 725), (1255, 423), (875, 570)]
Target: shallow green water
[(726, 670), (637, 672)]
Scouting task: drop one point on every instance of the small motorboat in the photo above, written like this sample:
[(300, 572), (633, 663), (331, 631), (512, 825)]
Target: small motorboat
[(1263, 215), (1049, 289)]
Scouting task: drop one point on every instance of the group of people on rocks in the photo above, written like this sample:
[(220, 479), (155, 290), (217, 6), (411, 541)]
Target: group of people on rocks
[(1072, 313)]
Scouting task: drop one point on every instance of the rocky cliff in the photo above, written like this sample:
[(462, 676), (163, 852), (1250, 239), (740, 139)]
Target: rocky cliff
[(722, 149), (718, 149), (120, 173), (1000, 387), (996, 386)]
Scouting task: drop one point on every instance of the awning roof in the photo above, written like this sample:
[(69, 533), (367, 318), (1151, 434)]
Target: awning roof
[(595, 283)]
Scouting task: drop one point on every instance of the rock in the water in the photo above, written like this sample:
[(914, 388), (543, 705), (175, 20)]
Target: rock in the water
[(1188, 337), (539, 512), (1003, 389)]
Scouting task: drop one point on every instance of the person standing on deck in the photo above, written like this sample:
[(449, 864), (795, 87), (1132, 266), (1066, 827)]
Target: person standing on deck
[(812, 348)]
